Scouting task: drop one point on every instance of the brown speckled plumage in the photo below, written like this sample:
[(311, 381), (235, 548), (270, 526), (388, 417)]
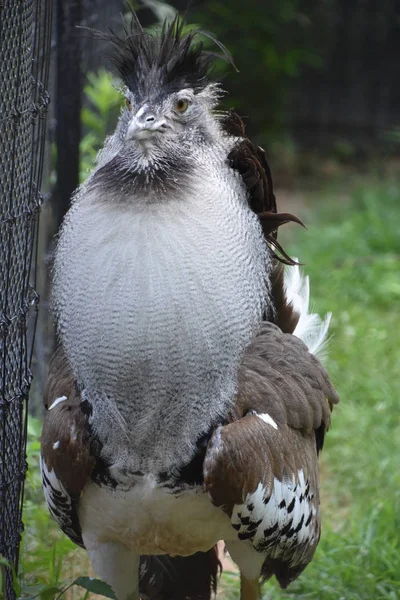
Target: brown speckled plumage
[(280, 378), (251, 162), (66, 424)]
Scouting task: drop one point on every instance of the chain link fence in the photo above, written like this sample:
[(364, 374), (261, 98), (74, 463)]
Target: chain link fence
[(25, 33), (354, 95)]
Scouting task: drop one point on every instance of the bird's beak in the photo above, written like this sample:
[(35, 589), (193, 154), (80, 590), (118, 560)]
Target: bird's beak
[(145, 124)]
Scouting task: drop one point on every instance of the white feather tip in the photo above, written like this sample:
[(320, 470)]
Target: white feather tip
[(311, 328)]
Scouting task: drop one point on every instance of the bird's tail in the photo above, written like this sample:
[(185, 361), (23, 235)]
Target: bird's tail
[(310, 328), (180, 577)]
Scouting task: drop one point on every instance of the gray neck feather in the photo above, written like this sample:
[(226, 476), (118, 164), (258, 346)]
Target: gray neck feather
[(155, 304)]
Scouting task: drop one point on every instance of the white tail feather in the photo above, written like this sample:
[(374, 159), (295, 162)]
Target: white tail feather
[(311, 329)]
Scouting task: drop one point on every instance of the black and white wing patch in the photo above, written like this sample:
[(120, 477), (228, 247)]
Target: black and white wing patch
[(60, 503), (282, 521)]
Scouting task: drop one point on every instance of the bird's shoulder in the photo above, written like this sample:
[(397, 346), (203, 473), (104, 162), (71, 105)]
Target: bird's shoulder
[(250, 161)]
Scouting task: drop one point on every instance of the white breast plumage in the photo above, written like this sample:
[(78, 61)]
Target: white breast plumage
[(149, 519)]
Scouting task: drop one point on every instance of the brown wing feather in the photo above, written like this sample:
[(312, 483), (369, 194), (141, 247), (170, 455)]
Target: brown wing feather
[(67, 461), (280, 376), (272, 498), (251, 162), (262, 466)]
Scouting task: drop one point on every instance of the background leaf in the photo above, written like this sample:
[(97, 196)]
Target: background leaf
[(96, 586)]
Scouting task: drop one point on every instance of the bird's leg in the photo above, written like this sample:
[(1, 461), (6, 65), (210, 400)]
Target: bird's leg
[(249, 588), (118, 566), (250, 563)]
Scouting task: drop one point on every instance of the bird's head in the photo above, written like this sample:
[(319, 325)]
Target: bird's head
[(169, 96), (164, 116)]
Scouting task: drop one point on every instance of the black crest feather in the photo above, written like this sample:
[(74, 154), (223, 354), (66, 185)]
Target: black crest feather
[(164, 60)]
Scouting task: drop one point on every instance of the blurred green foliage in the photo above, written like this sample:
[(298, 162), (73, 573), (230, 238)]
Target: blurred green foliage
[(270, 42), (99, 116)]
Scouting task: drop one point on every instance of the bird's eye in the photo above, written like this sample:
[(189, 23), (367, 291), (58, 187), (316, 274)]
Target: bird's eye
[(128, 104), (181, 105)]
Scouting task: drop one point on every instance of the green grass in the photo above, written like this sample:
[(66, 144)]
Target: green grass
[(352, 254)]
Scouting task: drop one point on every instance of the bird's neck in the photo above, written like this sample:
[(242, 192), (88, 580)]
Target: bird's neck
[(148, 169)]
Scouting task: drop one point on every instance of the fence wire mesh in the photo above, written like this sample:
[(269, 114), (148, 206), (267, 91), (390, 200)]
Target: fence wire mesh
[(25, 33)]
